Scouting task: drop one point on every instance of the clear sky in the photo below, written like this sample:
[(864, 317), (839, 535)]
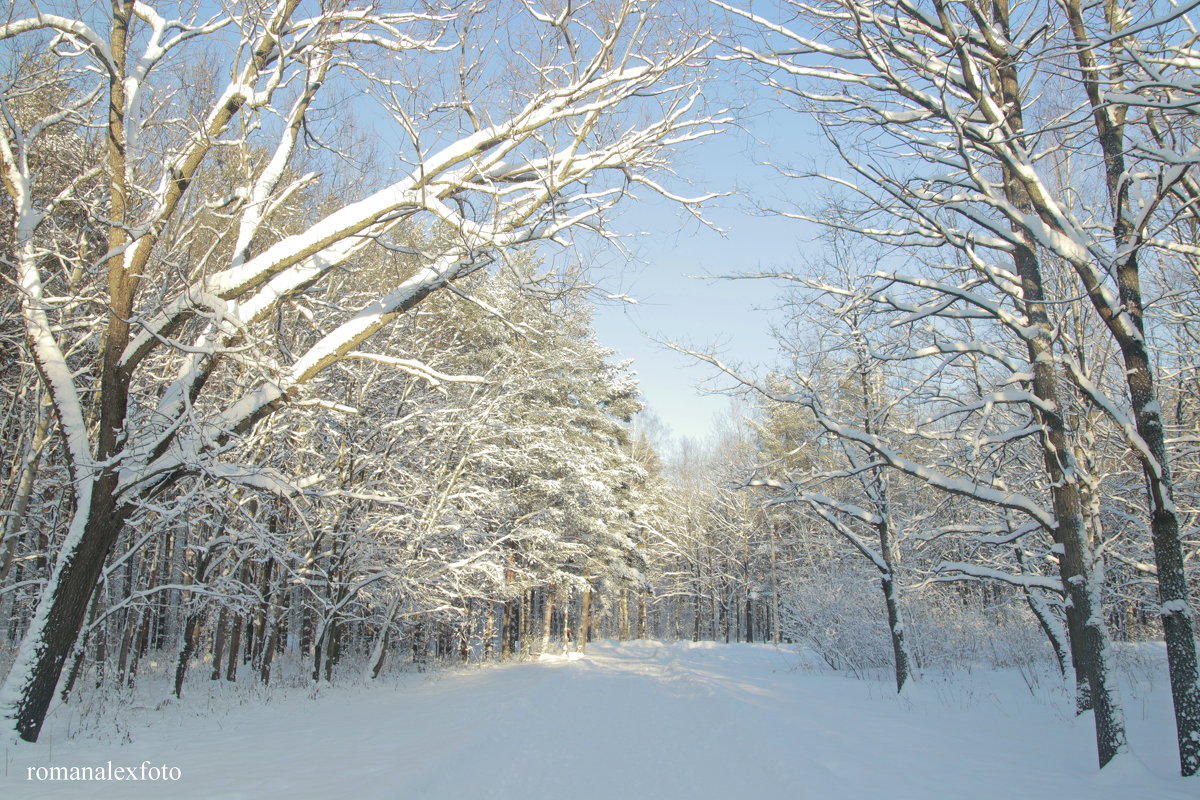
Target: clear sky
[(730, 316)]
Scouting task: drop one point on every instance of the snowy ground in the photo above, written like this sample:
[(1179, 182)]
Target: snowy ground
[(630, 720)]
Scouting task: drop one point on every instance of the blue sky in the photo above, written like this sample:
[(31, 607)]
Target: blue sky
[(732, 317)]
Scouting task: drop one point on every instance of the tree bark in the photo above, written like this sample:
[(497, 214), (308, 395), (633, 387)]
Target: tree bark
[(234, 646), (585, 612), (333, 650), (191, 635), (219, 644), (642, 613), (268, 655), (1089, 637), (547, 619)]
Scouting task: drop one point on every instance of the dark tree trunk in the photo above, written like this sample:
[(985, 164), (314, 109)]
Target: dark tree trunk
[(1089, 637), (377, 667), (234, 646), (896, 627), (268, 655), (696, 613), (317, 651), (333, 650), (191, 635), (219, 644), (489, 632), (505, 630)]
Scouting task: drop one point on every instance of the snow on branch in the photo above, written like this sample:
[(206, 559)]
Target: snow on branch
[(416, 368), (957, 570)]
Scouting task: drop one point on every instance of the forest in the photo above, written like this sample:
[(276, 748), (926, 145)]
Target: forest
[(299, 381)]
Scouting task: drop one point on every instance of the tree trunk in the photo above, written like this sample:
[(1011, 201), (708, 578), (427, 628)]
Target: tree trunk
[(891, 556), (128, 633), (76, 667), (774, 627), (464, 638), (547, 618), (1089, 637), (585, 613), (219, 644), (564, 622), (191, 635), (234, 646), (489, 632), (505, 630), (642, 613), (623, 616), (379, 651), (896, 627), (318, 649), (268, 655), (97, 520), (333, 651)]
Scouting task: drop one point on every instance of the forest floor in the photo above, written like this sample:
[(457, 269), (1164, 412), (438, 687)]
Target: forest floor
[(627, 721)]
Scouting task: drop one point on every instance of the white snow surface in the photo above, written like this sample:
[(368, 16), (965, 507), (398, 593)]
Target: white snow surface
[(628, 720)]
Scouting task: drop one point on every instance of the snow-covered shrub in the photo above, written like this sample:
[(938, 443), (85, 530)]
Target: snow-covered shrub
[(946, 633), (841, 619)]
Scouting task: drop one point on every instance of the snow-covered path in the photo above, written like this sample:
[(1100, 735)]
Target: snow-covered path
[(631, 720)]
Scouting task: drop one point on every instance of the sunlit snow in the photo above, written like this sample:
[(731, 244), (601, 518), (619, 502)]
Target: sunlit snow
[(628, 720)]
